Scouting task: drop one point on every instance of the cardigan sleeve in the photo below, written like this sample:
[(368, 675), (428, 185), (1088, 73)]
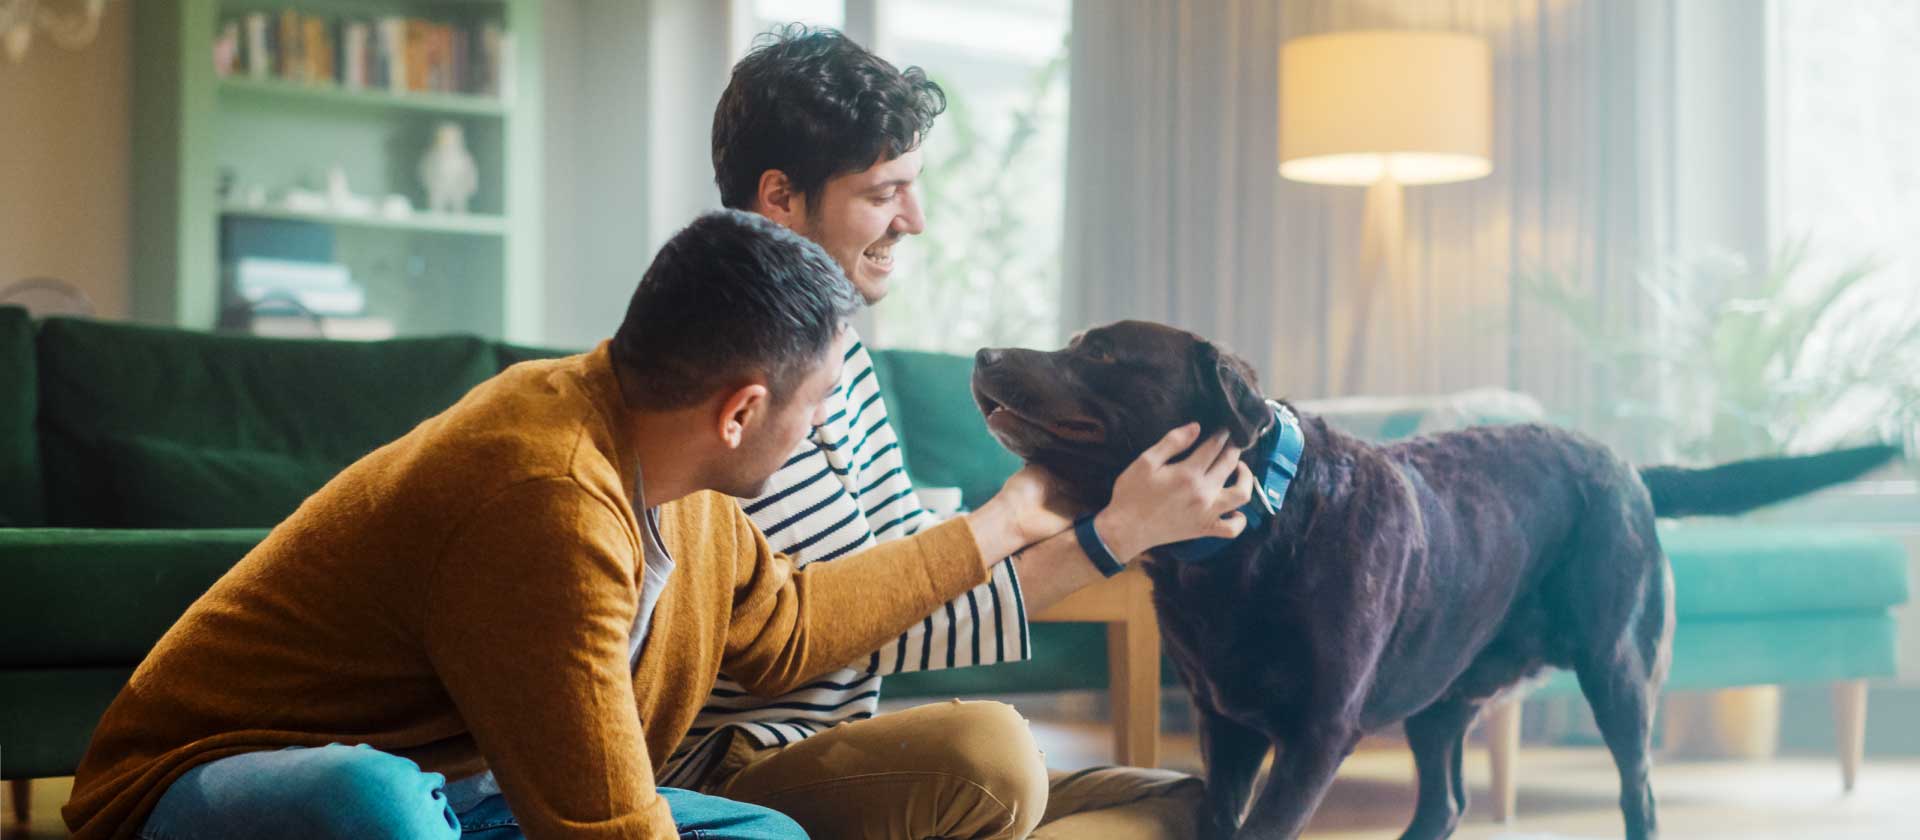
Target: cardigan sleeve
[(529, 613), (790, 626)]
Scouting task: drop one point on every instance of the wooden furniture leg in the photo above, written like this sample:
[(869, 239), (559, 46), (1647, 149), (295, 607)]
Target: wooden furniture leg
[(1125, 604), (1850, 728), (22, 791), (1502, 730), (1119, 681), (1133, 661)]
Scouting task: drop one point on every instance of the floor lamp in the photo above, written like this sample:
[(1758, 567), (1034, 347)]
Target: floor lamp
[(1383, 109)]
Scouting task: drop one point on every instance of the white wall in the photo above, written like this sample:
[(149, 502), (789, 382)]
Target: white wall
[(1719, 188), (691, 56), (630, 90), (65, 163)]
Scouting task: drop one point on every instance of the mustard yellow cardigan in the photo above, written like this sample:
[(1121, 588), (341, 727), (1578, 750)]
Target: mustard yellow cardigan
[(463, 597)]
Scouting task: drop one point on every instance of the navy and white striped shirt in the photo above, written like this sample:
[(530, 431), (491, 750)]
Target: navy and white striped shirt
[(843, 490)]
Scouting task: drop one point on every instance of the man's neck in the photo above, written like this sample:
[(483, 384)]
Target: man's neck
[(669, 462)]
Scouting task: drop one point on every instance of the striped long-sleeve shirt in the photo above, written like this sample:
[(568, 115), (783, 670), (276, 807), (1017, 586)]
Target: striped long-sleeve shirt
[(843, 490)]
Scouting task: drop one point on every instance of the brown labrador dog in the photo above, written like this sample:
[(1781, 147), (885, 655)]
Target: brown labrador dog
[(1410, 582)]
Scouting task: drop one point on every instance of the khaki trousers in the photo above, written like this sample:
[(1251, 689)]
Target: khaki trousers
[(952, 771)]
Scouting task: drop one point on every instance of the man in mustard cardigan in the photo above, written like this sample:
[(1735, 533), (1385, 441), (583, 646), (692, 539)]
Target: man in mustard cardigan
[(532, 592)]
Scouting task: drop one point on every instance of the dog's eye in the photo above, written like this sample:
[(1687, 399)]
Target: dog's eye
[(1099, 355)]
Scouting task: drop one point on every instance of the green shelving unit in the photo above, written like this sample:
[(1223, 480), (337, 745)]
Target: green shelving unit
[(477, 224), (442, 103), (427, 273)]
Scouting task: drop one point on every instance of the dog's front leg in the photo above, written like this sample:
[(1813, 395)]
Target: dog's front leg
[(1303, 769), (1232, 755)]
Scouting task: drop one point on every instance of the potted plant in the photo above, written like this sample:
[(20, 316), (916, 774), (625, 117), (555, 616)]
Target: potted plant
[(1739, 363)]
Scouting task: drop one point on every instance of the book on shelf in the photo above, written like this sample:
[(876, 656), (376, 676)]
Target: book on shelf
[(291, 58), (353, 55), (392, 62), (418, 72), (319, 49), (319, 288), (338, 329), (395, 53), (253, 47)]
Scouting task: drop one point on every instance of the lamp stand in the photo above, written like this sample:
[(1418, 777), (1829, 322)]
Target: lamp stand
[(1381, 238)]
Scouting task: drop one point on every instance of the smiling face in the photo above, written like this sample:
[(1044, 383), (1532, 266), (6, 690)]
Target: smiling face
[(1086, 411), (858, 217)]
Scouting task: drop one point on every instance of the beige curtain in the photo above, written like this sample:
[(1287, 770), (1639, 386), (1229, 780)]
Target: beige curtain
[(1170, 168), (1176, 213)]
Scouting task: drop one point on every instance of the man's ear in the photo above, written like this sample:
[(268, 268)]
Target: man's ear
[(1230, 395), (778, 201), (740, 409)]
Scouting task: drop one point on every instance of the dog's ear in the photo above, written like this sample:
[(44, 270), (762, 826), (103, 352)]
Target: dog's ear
[(1230, 395)]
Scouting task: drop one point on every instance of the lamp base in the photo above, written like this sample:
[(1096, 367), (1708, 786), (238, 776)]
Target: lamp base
[(1381, 238)]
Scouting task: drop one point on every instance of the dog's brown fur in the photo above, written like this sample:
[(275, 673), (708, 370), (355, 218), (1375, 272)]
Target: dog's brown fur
[(1410, 582)]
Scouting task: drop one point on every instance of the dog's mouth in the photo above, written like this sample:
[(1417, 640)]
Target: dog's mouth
[(1010, 424)]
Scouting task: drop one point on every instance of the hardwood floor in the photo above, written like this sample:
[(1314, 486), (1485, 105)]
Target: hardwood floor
[(1568, 793), (1565, 793)]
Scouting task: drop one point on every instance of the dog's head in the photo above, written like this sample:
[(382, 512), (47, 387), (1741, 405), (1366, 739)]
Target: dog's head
[(1086, 411)]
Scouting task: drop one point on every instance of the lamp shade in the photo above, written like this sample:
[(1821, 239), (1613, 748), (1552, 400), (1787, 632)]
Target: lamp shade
[(1416, 106)]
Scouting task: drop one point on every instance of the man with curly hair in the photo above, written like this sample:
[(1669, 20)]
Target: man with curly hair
[(823, 137)]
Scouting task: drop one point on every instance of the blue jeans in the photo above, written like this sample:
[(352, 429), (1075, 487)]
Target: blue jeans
[(343, 792)]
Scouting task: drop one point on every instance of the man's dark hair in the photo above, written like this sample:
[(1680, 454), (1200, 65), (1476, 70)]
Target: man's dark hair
[(813, 104), (731, 296)]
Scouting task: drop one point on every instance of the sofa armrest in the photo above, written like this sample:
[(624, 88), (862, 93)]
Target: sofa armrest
[(91, 597)]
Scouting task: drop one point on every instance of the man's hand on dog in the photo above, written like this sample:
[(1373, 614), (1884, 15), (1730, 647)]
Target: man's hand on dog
[(1158, 501), (1046, 507)]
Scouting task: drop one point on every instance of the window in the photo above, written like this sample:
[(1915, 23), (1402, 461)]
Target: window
[(987, 270), (762, 15), (1846, 182), (1847, 160)]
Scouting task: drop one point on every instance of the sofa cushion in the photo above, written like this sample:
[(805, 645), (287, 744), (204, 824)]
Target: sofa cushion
[(1732, 651), (50, 715), (1735, 568), (322, 402), (159, 483), (101, 597), (1383, 419), (22, 502), (929, 400)]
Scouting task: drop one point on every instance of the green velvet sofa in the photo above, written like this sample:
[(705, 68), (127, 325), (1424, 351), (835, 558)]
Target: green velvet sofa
[(138, 463)]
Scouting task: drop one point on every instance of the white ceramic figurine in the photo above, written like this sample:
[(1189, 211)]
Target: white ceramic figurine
[(448, 171)]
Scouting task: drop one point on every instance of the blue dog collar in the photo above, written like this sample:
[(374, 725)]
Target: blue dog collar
[(1283, 461)]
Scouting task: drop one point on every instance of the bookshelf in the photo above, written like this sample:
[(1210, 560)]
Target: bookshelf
[(472, 224), (213, 151), (440, 103)]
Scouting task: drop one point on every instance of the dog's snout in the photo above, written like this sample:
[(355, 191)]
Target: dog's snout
[(988, 357)]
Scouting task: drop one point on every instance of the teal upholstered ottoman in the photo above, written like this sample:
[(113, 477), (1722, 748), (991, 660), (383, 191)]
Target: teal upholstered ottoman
[(1762, 604), (1758, 604), (1772, 604)]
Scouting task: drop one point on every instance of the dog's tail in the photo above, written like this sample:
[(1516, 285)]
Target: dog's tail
[(1741, 486)]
